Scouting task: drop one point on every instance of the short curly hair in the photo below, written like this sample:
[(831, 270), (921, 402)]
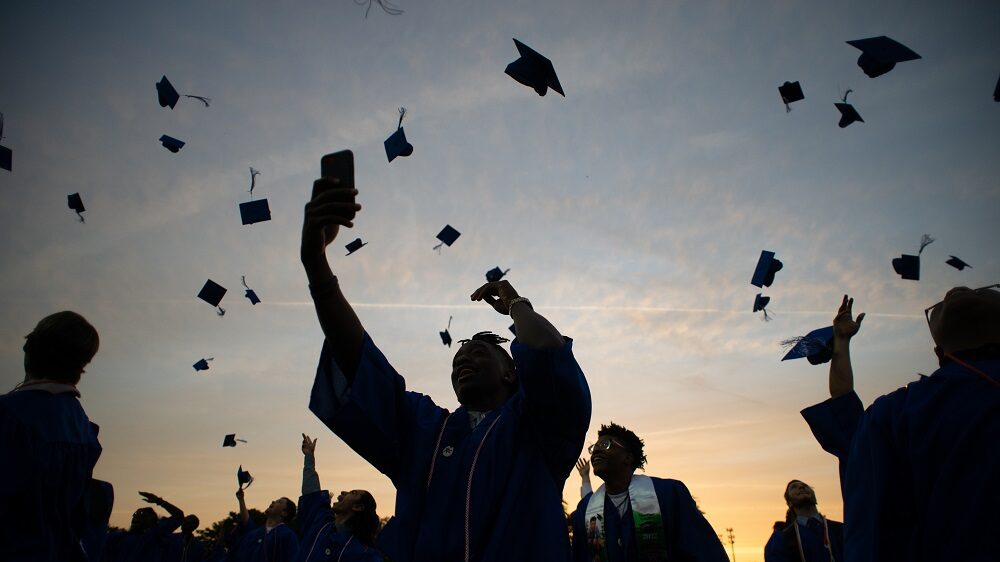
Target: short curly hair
[(627, 438), (495, 341)]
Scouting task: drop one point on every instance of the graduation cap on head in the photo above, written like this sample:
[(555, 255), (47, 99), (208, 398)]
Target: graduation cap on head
[(880, 54), (848, 114), (760, 305), (534, 70), (171, 144), (816, 346), (243, 477), (230, 441), (354, 246), (446, 335), (212, 293), (168, 96), (496, 274), (958, 263), (6, 156), (908, 266), (253, 212), (767, 266), (447, 236), (790, 92), (202, 364), (250, 294), (396, 144), (76, 203)]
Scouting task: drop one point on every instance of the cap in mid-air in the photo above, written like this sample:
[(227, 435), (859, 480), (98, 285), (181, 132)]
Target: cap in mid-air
[(534, 70), (396, 144), (212, 293), (816, 346), (848, 114), (907, 266), (446, 335), (250, 293), (958, 263), (171, 144), (496, 274), (880, 54), (767, 266), (447, 236), (75, 203), (253, 212), (354, 246), (790, 92), (243, 477), (202, 364), (6, 156)]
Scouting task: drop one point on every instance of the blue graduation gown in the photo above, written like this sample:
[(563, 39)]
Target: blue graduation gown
[(320, 539), (515, 504), (148, 546), (99, 504), (921, 481), (255, 544), (195, 551), (49, 449), (690, 537), (782, 548), (833, 422)]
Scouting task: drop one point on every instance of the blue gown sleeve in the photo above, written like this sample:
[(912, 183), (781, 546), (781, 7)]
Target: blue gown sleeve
[(314, 512), (288, 544), (377, 417), (580, 546), (693, 536), (557, 403), (833, 422), (774, 550)]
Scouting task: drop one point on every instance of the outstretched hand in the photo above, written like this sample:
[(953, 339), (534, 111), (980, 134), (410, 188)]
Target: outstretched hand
[(151, 498), (583, 467), (845, 326), (497, 294), (239, 494), (308, 445), (330, 208)]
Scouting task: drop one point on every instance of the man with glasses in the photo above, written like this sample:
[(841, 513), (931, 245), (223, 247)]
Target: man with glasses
[(919, 467), (636, 517)]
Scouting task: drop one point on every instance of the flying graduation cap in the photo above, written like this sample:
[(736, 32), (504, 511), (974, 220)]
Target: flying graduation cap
[(252, 211), (760, 305), (396, 144), (534, 70), (908, 266), (880, 54), (767, 266), (447, 236), (496, 274), (848, 114), (6, 156), (446, 335), (250, 293), (816, 346), (243, 477), (996, 97), (386, 6), (202, 364), (354, 246), (171, 144), (230, 441), (168, 96), (212, 293), (958, 263), (790, 92), (76, 203)]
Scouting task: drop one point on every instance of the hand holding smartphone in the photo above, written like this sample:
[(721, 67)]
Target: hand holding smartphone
[(331, 206)]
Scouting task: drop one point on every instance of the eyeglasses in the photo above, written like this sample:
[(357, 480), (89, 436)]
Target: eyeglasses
[(928, 310), (603, 445)]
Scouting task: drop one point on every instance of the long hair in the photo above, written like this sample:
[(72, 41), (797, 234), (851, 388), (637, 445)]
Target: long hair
[(365, 524)]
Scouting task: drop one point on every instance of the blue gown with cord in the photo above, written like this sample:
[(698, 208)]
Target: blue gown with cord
[(509, 506), (690, 537), (783, 547), (177, 551), (320, 537), (255, 544)]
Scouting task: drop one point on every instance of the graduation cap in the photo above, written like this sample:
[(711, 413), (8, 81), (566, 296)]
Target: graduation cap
[(446, 335), (760, 305), (355, 246), (250, 294), (996, 95), (253, 212), (534, 70), (202, 364), (396, 144), (790, 92), (171, 144), (513, 330), (243, 477), (168, 96), (958, 263), (76, 203), (880, 54), (212, 293), (230, 441), (6, 156), (447, 236), (816, 346), (767, 266), (496, 274), (908, 266), (848, 114)]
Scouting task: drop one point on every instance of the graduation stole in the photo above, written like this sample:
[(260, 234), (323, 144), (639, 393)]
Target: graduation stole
[(650, 536)]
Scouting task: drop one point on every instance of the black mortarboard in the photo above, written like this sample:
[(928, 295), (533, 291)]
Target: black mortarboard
[(243, 477), (880, 54), (760, 304), (202, 364), (907, 266), (212, 293), (848, 114), (958, 263), (396, 144), (767, 266), (6, 156), (171, 144), (513, 330), (447, 236), (496, 274), (255, 211), (534, 70), (996, 94), (76, 203), (166, 93), (229, 440), (354, 246), (446, 335), (250, 293), (816, 346), (790, 92)]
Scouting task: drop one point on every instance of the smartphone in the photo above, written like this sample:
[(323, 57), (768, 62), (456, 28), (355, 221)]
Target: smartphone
[(338, 165)]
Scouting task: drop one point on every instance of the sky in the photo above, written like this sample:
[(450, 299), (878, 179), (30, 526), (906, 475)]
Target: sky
[(631, 212)]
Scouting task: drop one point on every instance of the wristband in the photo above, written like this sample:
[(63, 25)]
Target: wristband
[(516, 300)]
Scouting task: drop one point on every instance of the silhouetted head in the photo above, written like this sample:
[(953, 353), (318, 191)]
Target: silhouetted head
[(190, 524), (618, 452), (966, 320), (357, 510), (282, 508), (60, 347), (143, 520), (482, 373), (798, 494)]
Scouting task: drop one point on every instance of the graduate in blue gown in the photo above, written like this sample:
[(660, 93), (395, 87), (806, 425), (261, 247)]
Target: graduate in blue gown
[(920, 471), (184, 546), (344, 531), (483, 482), (49, 448), (633, 518), (806, 534), (274, 542), (147, 538)]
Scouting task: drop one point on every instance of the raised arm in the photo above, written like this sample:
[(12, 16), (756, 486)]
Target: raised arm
[(330, 208), (310, 478), (170, 508), (244, 514), (844, 328), (533, 330)]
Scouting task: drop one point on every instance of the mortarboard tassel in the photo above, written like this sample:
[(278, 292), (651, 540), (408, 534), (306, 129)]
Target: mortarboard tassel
[(386, 6), (767, 317), (202, 99), (402, 112), (843, 98), (221, 311), (253, 179), (925, 240)]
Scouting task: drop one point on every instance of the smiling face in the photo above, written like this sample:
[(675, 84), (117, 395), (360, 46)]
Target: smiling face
[(347, 504), (278, 508), (482, 376), (799, 494), (610, 458)]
